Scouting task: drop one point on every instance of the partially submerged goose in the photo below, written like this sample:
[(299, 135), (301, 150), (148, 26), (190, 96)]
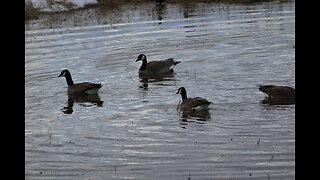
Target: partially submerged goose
[(155, 67), (83, 88), (278, 91), (278, 95), (191, 104)]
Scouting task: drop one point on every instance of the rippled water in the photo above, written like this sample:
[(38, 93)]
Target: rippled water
[(226, 52)]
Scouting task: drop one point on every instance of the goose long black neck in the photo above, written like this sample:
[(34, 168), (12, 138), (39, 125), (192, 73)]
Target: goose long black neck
[(69, 79), (144, 64), (183, 95)]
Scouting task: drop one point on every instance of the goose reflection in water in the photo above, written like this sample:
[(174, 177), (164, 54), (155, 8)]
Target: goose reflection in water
[(198, 117), (146, 79), (278, 101), (93, 99), (202, 115)]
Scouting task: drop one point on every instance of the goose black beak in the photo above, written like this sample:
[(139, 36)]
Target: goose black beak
[(138, 60)]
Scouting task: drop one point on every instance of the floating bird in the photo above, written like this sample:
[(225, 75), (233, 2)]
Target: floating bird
[(278, 91), (79, 88), (278, 95), (155, 67), (191, 104)]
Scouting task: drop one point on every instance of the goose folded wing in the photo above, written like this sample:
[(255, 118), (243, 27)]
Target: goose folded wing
[(201, 101), (86, 86), (158, 66)]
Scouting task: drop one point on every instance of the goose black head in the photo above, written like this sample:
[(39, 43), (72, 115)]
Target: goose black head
[(64, 73), (181, 90), (141, 57)]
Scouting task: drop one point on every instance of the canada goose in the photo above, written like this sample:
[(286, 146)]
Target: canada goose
[(155, 67), (276, 92), (191, 104), (79, 88)]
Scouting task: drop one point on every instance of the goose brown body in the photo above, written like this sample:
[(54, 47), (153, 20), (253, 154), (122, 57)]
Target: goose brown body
[(196, 103), (278, 91), (84, 88)]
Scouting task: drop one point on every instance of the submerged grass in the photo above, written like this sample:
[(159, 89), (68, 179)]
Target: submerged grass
[(33, 13)]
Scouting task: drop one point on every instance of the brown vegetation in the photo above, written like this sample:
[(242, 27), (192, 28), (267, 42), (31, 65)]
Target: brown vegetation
[(29, 11)]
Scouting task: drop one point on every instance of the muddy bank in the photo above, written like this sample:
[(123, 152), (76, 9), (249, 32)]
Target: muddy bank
[(33, 11), (130, 13)]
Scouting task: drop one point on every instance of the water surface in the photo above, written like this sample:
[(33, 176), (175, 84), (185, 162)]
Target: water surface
[(226, 52)]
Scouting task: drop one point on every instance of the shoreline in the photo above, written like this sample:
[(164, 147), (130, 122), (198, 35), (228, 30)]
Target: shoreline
[(32, 13)]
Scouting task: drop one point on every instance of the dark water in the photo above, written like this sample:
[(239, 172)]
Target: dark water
[(226, 52)]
